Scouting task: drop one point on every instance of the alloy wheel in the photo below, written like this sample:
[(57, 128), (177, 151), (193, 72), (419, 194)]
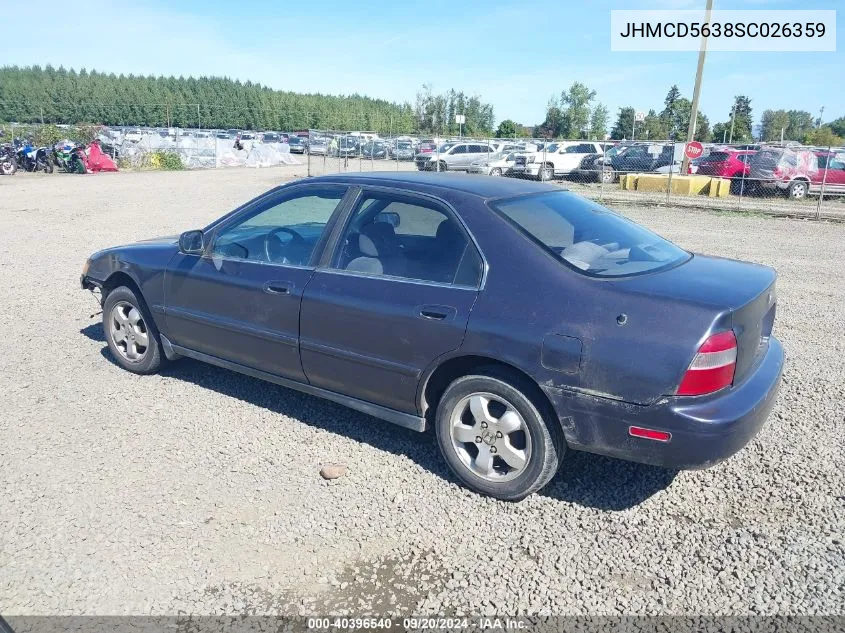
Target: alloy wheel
[(490, 437), (129, 332)]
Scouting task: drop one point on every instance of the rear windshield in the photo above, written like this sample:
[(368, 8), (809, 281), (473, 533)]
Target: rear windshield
[(588, 237)]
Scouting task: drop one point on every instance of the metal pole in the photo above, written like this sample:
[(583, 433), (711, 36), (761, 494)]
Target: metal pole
[(669, 185), (633, 126), (828, 158), (308, 152), (733, 115), (543, 164), (696, 94), (742, 183)]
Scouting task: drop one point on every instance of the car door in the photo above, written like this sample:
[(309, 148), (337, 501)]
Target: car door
[(834, 179), (394, 295), (477, 152), (458, 157), (240, 299)]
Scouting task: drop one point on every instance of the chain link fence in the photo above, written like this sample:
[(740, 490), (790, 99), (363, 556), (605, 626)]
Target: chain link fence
[(775, 178)]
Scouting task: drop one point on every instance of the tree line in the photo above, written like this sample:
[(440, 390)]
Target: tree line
[(574, 115), (33, 94)]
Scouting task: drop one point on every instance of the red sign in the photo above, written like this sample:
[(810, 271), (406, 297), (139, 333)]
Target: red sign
[(693, 150)]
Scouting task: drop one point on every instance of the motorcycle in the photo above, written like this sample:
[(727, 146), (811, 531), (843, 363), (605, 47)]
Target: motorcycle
[(70, 158), (8, 164), (34, 159)]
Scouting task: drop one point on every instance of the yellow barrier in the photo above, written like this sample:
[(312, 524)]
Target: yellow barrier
[(682, 185)]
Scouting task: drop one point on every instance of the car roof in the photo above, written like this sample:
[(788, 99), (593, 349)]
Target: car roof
[(482, 186)]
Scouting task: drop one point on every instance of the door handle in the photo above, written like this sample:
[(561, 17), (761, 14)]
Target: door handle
[(436, 313), (278, 288)]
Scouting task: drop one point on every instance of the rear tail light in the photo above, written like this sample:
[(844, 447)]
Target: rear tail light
[(713, 366)]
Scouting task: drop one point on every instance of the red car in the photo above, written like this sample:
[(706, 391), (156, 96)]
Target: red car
[(834, 180), (727, 163)]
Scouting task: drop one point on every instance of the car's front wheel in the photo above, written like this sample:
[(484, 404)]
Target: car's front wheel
[(495, 438), (130, 332), (496, 171)]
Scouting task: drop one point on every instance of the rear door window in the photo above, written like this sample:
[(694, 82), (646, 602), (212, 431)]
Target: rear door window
[(403, 236)]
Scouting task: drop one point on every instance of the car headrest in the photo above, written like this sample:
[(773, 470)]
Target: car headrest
[(447, 231), (367, 246)]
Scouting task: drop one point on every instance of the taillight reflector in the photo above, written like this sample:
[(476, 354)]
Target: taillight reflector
[(649, 434), (713, 366)]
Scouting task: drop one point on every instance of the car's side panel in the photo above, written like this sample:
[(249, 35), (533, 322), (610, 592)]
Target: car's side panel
[(371, 337), (635, 362), (243, 311)]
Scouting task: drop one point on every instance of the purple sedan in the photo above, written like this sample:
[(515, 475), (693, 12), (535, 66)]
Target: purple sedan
[(520, 320)]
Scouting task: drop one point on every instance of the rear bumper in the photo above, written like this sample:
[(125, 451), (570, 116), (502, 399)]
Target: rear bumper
[(704, 430)]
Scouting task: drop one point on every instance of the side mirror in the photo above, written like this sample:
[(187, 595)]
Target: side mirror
[(192, 242)]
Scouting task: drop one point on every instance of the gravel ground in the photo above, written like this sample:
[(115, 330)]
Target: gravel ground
[(199, 490)]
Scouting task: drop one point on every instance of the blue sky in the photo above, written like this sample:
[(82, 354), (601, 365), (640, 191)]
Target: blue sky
[(514, 54)]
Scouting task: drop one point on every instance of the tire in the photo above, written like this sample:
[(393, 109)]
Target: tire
[(8, 167), (546, 173), (127, 325), (48, 167), (798, 189), (496, 171), (535, 449), (607, 176), (442, 166)]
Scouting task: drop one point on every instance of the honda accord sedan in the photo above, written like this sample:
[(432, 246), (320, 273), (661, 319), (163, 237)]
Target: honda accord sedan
[(517, 319)]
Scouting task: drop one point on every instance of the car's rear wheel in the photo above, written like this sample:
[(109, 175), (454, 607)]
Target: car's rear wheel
[(607, 175), (495, 438), (131, 334), (496, 171), (546, 173), (798, 190)]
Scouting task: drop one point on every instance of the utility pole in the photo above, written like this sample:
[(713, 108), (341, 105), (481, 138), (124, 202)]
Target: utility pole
[(733, 116), (696, 94), (821, 113)]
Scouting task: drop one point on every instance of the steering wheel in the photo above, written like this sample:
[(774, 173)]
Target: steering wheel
[(273, 253)]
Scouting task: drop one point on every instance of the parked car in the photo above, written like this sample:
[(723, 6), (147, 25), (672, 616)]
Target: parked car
[(298, 145), (783, 170), (133, 136), (347, 146), (598, 166), (831, 173), (495, 165), (403, 150), (726, 163), (643, 157), (375, 149), (318, 146), (556, 160), (402, 296), (271, 137), (453, 156)]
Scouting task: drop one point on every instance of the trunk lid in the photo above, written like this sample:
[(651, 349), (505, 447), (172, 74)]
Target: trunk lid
[(744, 292)]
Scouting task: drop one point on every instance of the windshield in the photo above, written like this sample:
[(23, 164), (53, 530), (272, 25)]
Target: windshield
[(551, 147), (403, 145), (589, 237), (445, 147)]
